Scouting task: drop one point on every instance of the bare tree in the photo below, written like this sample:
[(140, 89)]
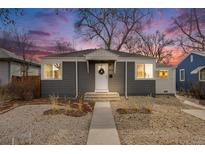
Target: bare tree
[(191, 23), (63, 46), (155, 45), (23, 43), (5, 40), (7, 15), (111, 27)]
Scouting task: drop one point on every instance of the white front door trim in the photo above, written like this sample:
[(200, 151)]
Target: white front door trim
[(101, 80)]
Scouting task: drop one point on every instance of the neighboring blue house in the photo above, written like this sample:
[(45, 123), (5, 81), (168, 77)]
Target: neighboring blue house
[(191, 71)]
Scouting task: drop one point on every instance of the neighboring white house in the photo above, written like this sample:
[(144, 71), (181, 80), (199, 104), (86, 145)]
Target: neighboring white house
[(11, 64)]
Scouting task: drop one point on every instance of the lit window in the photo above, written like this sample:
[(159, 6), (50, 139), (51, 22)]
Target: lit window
[(143, 71), (52, 71), (148, 70), (139, 70), (202, 75), (162, 73), (182, 74)]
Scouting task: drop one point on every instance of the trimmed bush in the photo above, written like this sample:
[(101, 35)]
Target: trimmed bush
[(18, 91)]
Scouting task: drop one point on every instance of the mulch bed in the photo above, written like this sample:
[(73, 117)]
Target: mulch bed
[(72, 113), (133, 110), (10, 105)]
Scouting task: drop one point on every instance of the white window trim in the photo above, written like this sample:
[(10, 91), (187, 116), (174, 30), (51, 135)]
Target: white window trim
[(180, 74), (42, 71), (200, 77), (191, 58), (144, 71)]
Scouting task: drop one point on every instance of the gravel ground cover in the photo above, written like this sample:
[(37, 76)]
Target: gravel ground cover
[(27, 125), (167, 124)]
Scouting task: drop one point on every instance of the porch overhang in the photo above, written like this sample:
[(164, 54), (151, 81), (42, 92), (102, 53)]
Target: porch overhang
[(195, 71)]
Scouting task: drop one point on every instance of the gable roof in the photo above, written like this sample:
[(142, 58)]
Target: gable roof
[(200, 53), (82, 53), (6, 55)]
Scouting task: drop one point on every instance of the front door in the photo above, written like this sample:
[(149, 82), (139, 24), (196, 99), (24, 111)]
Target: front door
[(101, 77)]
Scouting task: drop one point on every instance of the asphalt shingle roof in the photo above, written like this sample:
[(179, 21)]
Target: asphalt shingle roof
[(6, 55), (82, 53)]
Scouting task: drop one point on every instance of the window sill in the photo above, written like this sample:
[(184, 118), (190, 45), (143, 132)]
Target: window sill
[(144, 78), (52, 79)]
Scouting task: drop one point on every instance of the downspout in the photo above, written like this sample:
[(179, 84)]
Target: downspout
[(114, 67), (126, 79), (76, 78), (174, 70), (9, 72)]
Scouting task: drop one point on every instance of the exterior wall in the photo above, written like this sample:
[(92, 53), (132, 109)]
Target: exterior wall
[(138, 87), (166, 85), (86, 81), (33, 70), (189, 66), (64, 87), (15, 69), (117, 82), (4, 72)]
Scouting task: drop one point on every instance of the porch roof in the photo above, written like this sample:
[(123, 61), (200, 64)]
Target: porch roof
[(195, 71)]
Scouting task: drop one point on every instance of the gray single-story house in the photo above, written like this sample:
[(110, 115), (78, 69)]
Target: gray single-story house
[(103, 71), (11, 64)]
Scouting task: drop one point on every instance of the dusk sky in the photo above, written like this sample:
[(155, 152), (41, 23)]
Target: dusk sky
[(46, 27)]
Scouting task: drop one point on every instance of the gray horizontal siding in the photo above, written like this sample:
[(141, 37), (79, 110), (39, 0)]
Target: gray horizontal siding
[(4, 72), (117, 82), (138, 87), (86, 81), (64, 87)]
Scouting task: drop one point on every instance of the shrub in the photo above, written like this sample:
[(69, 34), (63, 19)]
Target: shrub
[(4, 94), (68, 107), (80, 103), (197, 90), (54, 103), (17, 90)]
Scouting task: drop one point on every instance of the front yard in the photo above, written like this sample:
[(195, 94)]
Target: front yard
[(27, 124), (166, 124), (139, 120)]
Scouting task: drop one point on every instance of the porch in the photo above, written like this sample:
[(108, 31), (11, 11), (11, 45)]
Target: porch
[(102, 96)]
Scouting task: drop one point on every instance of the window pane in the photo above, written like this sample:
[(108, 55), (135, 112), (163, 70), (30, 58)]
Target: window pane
[(139, 72), (148, 71), (202, 74), (182, 75), (57, 71), (162, 73), (48, 71)]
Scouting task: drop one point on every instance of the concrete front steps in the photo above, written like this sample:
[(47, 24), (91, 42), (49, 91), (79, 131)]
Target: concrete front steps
[(102, 96)]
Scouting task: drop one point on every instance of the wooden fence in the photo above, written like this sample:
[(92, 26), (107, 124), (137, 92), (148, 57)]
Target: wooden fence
[(33, 81)]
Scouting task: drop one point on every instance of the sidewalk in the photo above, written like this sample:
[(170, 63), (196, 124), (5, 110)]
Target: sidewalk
[(197, 113), (187, 102), (103, 130)]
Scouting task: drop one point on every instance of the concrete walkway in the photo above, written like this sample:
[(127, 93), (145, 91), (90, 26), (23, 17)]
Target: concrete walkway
[(197, 113), (103, 130), (187, 102)]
